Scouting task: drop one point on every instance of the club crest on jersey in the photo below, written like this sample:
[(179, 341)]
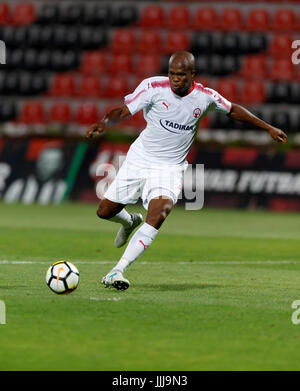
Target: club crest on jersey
[(197, 112), (175, 127)]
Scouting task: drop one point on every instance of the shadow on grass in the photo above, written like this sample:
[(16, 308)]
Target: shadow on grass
[(176, 287)]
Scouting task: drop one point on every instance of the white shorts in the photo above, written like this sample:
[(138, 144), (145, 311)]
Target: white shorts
[(133, 182)]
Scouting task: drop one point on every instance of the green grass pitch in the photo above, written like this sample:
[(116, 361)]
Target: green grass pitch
[(213, 292)]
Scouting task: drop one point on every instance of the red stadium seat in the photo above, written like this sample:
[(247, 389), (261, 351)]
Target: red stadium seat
[(117, 87), (23, 13), (176, 40), (32, 112), (149, 42), (87, 113), (179, 17), (231, 19), (93, 62), (60, 112), (282, 69), (120, 63), (252, 92), (254, 66), (63, 85), (284, 19), (123, 41), (258, 20), (152, 16), (281, 46), (227, 88), (206, 19), (89, 87), (4, 13), (148, 65)]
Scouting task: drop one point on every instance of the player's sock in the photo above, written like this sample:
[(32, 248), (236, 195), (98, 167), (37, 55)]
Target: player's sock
[(123, 218), (139, 242)]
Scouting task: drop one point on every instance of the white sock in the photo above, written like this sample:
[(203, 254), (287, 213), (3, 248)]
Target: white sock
[(123, 218), (139, 242)]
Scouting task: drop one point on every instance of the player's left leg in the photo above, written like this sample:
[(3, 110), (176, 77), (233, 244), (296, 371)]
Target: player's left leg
[(159, 208), (116, 212)]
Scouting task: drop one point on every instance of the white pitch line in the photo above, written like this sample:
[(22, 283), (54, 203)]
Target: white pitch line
[(266, 262), (105, 298)]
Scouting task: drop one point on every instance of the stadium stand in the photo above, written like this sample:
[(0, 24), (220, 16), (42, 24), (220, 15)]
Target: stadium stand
[(32, 113), (152, 16), (60, 113), (93, 53)]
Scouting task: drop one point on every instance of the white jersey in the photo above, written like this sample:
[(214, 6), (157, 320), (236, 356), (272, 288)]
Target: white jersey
[(172, 121)]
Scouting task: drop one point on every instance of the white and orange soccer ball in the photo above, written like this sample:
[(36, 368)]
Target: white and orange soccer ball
[(62, 277)]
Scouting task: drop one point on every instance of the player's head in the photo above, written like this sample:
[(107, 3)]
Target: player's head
[(181, 72)]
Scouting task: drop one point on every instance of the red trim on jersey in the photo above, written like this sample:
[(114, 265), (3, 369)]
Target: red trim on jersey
[(155, 84), (134, 97), (192, 89), (200, 87), (228, 107), (163, 84)]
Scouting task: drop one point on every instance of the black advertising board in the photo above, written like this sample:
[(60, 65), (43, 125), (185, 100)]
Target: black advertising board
[(251, 178), (35, 170), (54, 170)]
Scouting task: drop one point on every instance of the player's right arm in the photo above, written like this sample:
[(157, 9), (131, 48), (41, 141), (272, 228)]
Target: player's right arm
[(113, 117), (139, 99)]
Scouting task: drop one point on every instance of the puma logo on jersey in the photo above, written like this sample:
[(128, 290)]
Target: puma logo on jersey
[(164, 103)]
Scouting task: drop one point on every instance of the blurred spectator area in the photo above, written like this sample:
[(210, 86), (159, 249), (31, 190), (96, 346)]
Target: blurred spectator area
[(68, 62)]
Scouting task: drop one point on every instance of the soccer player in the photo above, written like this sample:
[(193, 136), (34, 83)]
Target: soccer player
[(173, 107)]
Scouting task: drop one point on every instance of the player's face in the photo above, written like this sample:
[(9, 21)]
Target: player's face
[(181, 79)]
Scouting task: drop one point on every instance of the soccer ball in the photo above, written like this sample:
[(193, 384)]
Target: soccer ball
[(62, 277)]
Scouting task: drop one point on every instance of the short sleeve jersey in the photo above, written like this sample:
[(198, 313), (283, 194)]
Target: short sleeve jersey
[(172, 121)]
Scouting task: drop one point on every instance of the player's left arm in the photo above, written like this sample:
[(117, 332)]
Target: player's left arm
[(239, 113)]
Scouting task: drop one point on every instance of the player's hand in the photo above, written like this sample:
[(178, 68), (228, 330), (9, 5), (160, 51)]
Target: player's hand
[(277, 135), (95, 128)]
